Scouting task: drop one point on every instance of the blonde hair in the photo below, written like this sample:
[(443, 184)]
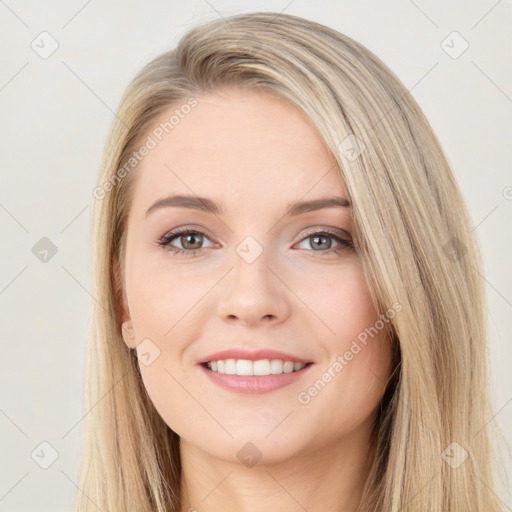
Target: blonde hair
[(415, 244)]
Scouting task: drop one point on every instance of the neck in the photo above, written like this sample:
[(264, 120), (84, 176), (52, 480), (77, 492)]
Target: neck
[(331, 478)]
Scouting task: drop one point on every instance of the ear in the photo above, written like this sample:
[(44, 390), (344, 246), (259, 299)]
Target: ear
[(126, 322), (128, 334), (120, 291)]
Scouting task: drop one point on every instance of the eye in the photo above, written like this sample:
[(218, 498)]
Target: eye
[(321, 241), (189, 239)]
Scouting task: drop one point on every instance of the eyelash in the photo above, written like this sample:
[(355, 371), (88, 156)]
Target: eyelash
[(166, 240)]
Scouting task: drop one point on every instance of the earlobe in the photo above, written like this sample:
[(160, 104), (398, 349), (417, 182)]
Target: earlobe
[(128, 334)]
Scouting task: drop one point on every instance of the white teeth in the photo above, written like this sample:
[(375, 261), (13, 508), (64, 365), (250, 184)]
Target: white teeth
[(261, 367), (288, 367), (230, 366), (248, 367), (244, 367), (276, 366)]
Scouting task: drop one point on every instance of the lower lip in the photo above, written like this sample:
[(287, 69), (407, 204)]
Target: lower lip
[(256, 384)]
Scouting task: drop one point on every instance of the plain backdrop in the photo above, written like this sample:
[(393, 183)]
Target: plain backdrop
[(56, 111)]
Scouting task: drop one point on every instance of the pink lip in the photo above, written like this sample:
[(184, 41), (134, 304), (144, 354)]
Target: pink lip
[(253, 356), (256, 384)]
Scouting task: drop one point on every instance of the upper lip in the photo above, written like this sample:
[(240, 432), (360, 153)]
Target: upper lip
[(252, 355)]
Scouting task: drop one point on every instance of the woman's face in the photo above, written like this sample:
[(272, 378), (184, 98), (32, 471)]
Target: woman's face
[(264, 291)]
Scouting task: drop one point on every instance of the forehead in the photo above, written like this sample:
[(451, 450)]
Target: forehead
[(234, 145)]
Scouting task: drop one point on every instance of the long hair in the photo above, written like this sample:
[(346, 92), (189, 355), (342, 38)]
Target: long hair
[(413, 233)]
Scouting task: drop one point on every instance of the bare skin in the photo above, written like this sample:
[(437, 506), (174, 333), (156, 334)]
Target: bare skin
[(254, 154)]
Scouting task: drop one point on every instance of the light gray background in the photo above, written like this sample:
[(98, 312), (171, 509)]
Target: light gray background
[(56, 113)]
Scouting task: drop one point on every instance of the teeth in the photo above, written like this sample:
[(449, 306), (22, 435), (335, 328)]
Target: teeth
[(288, 367), (260, 367), (230, 366), (276, 366), (243, 367)]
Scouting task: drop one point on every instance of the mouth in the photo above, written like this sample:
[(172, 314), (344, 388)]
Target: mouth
[(259, 367), (254, 373)]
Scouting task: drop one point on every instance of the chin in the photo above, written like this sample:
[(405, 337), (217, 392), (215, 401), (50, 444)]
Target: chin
[(254, 446)]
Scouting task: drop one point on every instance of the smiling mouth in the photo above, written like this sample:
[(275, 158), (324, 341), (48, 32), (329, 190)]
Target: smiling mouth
[(260, 367)]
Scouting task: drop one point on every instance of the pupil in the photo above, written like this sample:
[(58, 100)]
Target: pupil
[(316, 238), (191, 236)]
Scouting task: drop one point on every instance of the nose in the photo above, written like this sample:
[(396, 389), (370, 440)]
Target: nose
[(253, 293)]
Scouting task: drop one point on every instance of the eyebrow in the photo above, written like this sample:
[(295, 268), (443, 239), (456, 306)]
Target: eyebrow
[(209, 206)]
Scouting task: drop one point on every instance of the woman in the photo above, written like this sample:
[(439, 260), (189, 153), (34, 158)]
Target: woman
[(289, 309)]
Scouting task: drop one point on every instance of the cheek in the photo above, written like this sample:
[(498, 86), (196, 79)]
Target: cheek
[(167, 312), (345, 396), (341, 300), (352, 376), (164, 299)]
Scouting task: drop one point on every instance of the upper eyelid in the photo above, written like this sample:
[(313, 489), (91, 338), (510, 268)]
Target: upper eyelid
[(331, 231)]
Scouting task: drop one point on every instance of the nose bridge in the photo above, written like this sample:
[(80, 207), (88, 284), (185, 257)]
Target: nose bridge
[(253, 292)]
